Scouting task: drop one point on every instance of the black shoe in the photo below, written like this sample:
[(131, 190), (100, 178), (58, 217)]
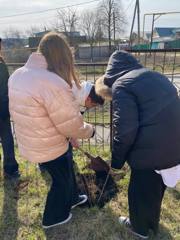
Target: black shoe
[(82, 199), (14, 175)]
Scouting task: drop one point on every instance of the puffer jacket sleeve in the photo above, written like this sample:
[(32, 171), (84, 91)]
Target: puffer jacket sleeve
[(125, 125), (64, 112)]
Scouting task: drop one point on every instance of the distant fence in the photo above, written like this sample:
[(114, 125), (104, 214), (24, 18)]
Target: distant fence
[(164, 61)]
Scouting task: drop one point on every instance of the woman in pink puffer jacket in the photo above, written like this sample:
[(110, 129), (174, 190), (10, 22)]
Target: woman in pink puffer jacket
[(46, 115)]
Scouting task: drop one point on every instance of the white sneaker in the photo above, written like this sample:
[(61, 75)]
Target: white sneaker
[(82, 199), (59, 223), (126, 222)]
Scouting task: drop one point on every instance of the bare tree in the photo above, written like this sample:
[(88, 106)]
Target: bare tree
[(34, 29), (14, 38), (67, 20), (12, 33), (112, 18), (100, 32), (14, 43), (90, 25)]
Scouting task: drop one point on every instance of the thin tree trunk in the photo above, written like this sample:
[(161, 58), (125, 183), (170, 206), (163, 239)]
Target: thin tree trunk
[(91, 52)]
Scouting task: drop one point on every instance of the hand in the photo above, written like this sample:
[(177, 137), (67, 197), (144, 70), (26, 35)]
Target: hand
[(74, 142)]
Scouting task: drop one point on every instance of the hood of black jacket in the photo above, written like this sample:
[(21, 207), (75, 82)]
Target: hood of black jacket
[(119, 64)]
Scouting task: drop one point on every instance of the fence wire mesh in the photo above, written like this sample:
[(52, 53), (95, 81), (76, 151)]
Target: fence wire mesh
[(164, 61), (29, 193)]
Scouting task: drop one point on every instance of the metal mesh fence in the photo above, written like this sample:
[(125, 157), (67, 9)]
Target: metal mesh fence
[(21, 207), (164, 61)]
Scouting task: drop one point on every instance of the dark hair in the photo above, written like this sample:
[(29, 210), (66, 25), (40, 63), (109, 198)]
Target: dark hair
[(94, 97)]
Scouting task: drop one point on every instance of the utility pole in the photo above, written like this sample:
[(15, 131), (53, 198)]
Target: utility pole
[(132, 26), (109, 25), (152, 30), (136, 10), (138, 21)]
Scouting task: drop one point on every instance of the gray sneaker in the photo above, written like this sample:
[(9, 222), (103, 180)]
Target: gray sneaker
[(58, 223), (126, 222), (82, 199)]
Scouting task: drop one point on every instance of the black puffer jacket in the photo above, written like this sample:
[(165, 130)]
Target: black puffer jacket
[(146, 114), (4, 75)]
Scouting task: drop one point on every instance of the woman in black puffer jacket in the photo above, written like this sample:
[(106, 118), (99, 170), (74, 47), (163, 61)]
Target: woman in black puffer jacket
[(9, 164), (146, 134)]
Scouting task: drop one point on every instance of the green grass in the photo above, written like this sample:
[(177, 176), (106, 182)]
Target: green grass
[(97, 117), (94, 70), (21, 210)]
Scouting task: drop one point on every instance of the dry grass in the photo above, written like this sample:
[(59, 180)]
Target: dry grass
[(21, 211)]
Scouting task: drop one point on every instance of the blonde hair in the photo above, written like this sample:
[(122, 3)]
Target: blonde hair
[(59, 57)]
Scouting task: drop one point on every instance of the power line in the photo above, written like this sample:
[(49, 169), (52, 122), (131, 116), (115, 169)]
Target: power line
[(36, 18), (47, 10), (129, 6)]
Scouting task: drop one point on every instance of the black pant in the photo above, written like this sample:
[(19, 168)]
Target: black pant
[(9, 163), (75, 187), (145, 194), (63, 189)]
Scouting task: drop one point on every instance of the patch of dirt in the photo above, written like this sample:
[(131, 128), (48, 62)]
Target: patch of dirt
[(93, 183)]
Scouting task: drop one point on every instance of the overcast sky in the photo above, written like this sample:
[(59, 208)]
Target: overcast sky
[(22, 23)]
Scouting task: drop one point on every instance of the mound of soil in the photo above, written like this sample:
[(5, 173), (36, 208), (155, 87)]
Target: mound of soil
[(92, 184)]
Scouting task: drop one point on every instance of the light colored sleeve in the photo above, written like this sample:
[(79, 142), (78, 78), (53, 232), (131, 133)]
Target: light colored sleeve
[(82, 93), (63, 110)]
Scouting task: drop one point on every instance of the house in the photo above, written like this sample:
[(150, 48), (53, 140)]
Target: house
[(9, 43), (170, 33), (162, 37), (74, 38)]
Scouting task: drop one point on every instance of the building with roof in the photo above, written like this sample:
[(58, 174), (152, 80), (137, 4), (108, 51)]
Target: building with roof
[(163, 38), (166, 33), (74, 38), (166, 38)]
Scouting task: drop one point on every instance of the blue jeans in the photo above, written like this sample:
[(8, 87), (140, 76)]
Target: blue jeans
[(10, 164)]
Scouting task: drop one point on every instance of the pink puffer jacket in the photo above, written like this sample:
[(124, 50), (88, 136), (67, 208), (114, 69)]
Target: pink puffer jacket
[(44, 111)]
